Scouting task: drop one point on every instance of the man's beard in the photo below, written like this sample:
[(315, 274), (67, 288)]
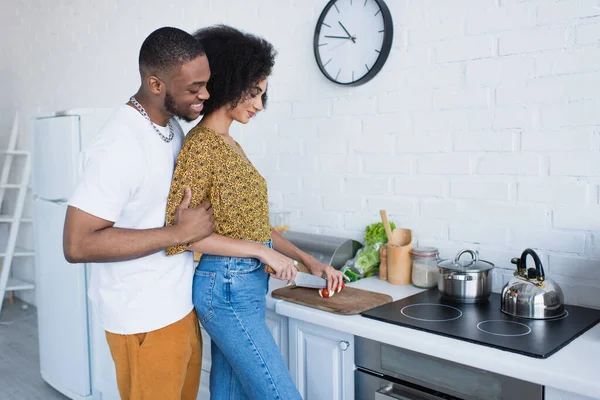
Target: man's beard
[(172, 108)]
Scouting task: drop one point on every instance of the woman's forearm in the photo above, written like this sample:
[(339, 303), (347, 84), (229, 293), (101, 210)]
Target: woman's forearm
[(314, 266), (219, 245), (215, 244), (285, 247)]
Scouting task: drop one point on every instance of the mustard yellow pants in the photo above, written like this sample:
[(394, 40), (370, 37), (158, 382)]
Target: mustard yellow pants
[(163, 364)]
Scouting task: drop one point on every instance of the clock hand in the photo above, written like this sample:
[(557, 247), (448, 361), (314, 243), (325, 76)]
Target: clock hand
[(344, 28), (347, 33), (338, 37)]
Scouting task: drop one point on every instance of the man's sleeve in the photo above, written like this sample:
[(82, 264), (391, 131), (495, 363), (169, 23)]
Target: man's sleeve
[(111, 174)]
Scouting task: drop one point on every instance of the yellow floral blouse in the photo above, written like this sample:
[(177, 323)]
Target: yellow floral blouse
[(216, 172)]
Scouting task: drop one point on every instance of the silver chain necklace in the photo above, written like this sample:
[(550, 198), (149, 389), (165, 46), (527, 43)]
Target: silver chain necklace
[(145, 115)]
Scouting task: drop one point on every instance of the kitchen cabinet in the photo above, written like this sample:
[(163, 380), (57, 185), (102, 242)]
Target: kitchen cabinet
[(321, 361), (278, 325)]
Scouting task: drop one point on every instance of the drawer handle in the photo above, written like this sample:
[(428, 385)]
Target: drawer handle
[(344, 345)]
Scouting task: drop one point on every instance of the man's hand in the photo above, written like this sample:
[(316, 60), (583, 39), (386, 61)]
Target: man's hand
[(194, 224)]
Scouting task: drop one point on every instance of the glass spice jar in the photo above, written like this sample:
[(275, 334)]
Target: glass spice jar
[(280, 220), (425, 272)]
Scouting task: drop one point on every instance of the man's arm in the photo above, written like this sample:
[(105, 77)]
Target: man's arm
[(87, 238)]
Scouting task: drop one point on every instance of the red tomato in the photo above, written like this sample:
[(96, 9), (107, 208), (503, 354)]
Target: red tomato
[(325, 293), (342, 286)]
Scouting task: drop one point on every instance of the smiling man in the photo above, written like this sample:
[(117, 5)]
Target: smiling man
[(116, 219)]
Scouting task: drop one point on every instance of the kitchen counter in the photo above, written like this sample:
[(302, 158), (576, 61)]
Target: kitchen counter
[(574, 368)]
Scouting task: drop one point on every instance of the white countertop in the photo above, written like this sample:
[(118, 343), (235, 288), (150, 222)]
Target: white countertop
[(574, 368)]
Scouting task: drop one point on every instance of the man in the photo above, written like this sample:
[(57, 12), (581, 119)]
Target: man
[(116, 219)]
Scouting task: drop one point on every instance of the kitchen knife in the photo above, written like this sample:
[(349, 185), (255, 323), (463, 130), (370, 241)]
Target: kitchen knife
[(308, 280), (305, 280)]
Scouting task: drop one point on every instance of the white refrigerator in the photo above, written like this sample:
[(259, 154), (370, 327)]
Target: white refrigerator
[(74, 356)]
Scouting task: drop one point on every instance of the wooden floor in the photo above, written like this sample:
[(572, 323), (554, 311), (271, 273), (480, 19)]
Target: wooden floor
[(19, 361)]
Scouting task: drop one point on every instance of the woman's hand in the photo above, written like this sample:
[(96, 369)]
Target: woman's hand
[(334, 277), (284, 266)]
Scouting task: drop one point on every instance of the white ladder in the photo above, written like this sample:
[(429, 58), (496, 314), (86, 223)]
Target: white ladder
[(7, 283)]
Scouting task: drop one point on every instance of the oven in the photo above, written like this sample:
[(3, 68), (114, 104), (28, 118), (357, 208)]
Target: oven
[(385, 372)]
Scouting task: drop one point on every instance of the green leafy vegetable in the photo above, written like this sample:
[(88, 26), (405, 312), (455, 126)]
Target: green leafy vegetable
[(375, 233), (369, 258), (366, 261)]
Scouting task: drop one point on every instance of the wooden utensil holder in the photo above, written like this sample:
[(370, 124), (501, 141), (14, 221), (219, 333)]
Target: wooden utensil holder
[(399, 264)]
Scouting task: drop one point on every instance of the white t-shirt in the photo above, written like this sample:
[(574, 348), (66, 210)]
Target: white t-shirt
[(126, 177)]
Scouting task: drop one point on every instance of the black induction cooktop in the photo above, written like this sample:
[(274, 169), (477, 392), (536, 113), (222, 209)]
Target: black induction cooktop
[(485, 324)]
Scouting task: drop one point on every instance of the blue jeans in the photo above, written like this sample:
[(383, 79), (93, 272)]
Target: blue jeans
[(229, 298)]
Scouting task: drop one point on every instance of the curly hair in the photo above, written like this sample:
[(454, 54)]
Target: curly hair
[(167, 48), (238, 62)]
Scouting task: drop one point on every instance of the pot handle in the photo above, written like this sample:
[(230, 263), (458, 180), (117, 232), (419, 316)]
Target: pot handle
[(473, 254), (539, 269)]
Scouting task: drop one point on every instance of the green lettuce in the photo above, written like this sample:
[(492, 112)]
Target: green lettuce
[(366, 261), (375, 233), (368, 258)]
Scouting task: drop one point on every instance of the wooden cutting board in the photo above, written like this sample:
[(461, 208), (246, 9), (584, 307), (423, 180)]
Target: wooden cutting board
[(349, 301)]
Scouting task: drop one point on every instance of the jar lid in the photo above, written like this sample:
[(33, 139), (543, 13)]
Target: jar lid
[(472, 265), (425, 251)]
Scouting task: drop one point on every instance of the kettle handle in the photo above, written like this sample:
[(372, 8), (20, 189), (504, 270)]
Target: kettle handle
[(539, 269)]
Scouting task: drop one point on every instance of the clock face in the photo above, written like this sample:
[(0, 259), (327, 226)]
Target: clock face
[(353, 39)]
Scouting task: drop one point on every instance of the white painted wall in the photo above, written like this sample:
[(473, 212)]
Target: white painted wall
[(482, 130)]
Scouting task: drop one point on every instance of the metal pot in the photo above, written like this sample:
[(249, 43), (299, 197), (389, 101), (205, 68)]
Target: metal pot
[(469, 282), (529, 294)]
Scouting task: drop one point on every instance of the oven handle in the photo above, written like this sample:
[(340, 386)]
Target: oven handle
[(384, 394), (393, 391)]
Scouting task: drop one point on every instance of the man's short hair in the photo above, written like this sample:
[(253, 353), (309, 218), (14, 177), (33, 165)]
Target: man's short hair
[(166, 49)]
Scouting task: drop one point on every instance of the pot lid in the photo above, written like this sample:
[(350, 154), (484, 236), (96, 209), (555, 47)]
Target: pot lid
[(474, 264)]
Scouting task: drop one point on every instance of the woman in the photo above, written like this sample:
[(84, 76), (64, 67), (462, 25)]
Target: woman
[(230, 283)]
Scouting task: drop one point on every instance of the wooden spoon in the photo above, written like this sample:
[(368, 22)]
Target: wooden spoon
[(386, 225)]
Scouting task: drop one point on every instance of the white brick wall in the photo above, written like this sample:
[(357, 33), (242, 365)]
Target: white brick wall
[(563, 140), (588, 34), (531, 40), (482, 130), (386, 164), (552, 191), (465, 48), (443, 164)]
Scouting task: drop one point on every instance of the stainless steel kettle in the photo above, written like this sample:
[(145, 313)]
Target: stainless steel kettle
[(529, 294)]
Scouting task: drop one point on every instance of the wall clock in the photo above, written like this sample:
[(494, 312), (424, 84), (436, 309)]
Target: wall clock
[(353, 39)]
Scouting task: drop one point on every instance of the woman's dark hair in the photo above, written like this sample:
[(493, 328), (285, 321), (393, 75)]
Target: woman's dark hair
[(238, 62)]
